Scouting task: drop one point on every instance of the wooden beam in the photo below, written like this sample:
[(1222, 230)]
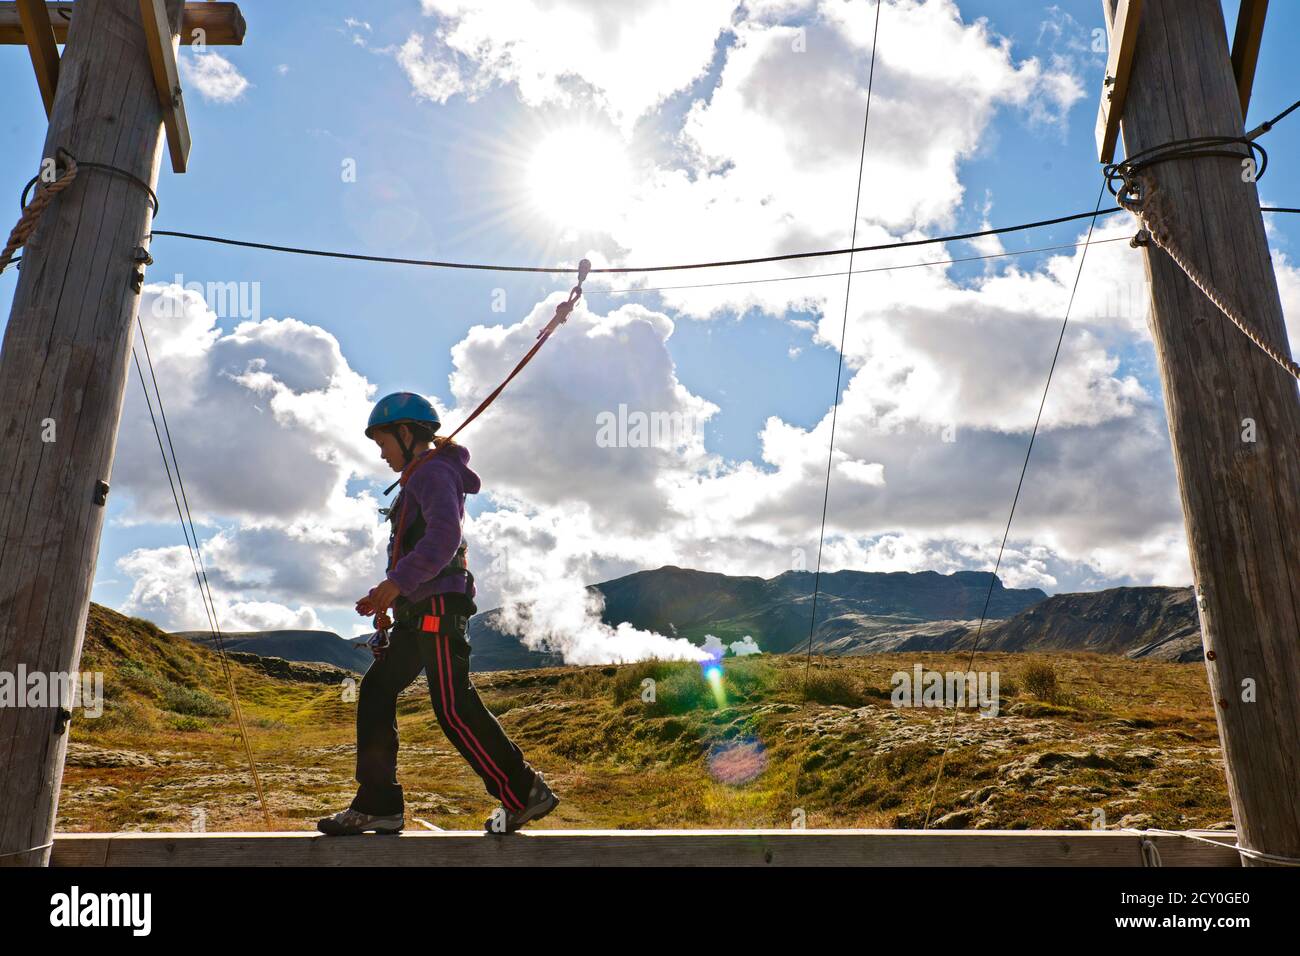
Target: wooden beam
[(1122, 24), (645, 848), (39, 34), (221, 24), (1245, 48), (162, 60), (1234, 416)]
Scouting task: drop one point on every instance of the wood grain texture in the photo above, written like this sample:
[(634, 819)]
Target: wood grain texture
[(1245, 48), (221, 23), (1122, 28), (35, 20), (1241, 499), (161, 43), (64, 358), (644, 848)]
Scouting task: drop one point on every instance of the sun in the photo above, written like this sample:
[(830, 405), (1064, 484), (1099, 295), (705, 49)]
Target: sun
[(579, 176)]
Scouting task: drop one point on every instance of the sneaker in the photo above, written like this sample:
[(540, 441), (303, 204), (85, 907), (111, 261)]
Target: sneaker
[(352, 822), (541, 801)]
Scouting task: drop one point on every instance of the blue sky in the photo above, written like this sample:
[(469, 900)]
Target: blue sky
[(456, 179)]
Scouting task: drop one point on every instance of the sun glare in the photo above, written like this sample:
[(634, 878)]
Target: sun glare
[(579, 176)]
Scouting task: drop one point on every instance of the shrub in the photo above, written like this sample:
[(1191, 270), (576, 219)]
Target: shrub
[(192, 702), (824, 687), (586, 683), (748, 677), (682, 691), (627, 682), (173, 696), (504, 705), (1039, 679), (125, 714)]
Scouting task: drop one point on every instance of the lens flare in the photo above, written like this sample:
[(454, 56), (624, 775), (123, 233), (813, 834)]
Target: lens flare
[(737, 762), (713, 677)]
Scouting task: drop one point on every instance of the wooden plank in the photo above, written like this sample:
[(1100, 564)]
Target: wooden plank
[(39, 34), (645, 848), (65, 356), (221, 23), (1234, 416), (1122, 22), (1245, 48), (162, 60)]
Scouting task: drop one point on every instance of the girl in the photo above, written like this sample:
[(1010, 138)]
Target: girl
[(431, 591)]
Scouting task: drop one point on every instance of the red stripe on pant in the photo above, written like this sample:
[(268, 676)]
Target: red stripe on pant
[(462, 729)]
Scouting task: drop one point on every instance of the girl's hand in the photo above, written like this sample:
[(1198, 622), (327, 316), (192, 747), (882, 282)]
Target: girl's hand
[(380, 598)]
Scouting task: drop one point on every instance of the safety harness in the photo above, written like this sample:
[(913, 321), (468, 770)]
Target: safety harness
[(408, 528)]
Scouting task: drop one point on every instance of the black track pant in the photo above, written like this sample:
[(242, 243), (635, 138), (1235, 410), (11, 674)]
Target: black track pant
[(468, 724)]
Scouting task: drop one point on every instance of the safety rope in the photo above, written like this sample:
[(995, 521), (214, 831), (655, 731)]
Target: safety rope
[(1138, 197), (1267, 125), (31, 213), (1144, 200), (634, 290), (612, 270), (200, 569), (1151, 853), (839, 366), (30, 849), (1015, 500), (561, 316)]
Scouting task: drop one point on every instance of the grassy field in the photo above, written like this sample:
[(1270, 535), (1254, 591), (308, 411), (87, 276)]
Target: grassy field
[(1080, 740)]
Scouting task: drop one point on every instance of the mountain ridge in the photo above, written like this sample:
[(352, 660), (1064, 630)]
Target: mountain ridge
[(775, 612), (858, 613), (303, 646)]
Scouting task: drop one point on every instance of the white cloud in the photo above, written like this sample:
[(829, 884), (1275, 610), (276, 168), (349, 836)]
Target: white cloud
[(623, 58), (214, 77), (164, 590), (264, 420), (1288, 285), (865, 472), (548, 421), (431, 75), (715, 648), (773, 151)]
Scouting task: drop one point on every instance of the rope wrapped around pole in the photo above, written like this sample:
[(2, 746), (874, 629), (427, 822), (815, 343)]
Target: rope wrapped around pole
[(1144, 200), (45, 194)]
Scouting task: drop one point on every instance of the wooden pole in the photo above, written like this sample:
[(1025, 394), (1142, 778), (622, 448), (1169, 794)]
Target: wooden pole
[(1234, 416), (62, 377)]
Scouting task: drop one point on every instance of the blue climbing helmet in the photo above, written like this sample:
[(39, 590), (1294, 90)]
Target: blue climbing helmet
[(402, 408)]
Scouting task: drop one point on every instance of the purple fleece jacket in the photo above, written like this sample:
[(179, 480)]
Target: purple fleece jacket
[(438, 488)]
